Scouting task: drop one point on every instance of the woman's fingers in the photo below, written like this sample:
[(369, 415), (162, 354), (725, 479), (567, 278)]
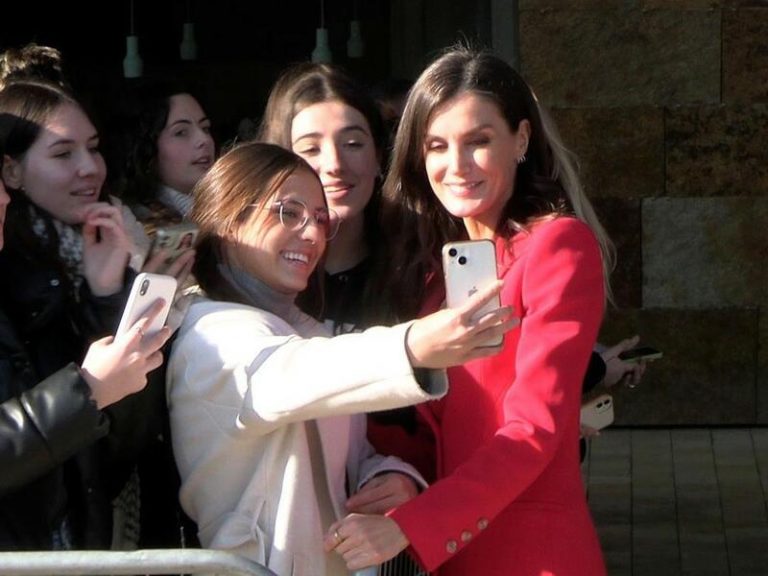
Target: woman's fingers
[(138, 331), (181, 265), (479, 299), (103, 210), (616, 349), (156, 261), (332, 537)]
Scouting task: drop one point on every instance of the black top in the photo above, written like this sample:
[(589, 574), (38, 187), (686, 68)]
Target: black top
[(344, 297)]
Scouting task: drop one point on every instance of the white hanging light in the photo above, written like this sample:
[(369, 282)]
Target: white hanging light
[(188, 46), (322, 51), (133, 66), (355, 45)]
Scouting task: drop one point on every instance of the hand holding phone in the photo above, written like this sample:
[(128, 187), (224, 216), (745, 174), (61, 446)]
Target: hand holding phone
[(468, 267), (146, 289)]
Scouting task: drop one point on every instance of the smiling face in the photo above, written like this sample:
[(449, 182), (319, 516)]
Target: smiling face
[(185, 149), (470, 156), (335, 139), (280, 257), (63, 171)]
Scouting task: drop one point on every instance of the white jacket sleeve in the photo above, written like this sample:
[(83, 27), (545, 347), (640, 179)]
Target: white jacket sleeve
[(280, 377)]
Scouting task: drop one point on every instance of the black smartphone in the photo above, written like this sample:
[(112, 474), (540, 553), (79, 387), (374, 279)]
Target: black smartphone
[(640, 353)]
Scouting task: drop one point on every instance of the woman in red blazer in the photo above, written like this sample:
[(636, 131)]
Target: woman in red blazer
[(475, 157)]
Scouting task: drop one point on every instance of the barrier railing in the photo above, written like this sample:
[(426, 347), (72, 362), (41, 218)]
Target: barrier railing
[(93, 562)]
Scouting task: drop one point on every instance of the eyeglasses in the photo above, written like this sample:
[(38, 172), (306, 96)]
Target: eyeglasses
[(294, 215)]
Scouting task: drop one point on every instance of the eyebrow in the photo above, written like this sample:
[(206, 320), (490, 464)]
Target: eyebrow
[(188, 121), (475, 129), (346, 129), (66, 141)]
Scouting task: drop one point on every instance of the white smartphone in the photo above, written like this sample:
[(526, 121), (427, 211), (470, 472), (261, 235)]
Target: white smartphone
[(145, 290), (598, 412), (175, 238), (469, 266)]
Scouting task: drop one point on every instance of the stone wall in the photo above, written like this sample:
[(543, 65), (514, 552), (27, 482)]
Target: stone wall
[(666, 104)]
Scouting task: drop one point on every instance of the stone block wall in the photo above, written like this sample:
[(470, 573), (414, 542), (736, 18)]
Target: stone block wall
[(665, 102)]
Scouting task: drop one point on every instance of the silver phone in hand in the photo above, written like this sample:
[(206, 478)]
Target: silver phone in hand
[(470, 266), (145, 290)]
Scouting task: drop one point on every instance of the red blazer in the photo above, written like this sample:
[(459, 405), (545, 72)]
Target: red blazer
[(509, 499)]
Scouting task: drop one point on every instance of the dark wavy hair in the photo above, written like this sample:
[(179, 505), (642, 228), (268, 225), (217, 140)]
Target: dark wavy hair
[(143, 121)]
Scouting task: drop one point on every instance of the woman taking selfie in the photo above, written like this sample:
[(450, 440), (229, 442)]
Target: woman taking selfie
[(260, 395), (476, 158)]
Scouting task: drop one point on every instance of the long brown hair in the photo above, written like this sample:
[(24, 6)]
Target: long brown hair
[(546, 183), (300, 87), (26, 106), (249, 174)]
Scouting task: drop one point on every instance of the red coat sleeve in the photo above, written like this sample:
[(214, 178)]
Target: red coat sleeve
[(558, 281)]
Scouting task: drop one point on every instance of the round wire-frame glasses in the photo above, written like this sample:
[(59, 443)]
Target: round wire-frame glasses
[(294, 215)]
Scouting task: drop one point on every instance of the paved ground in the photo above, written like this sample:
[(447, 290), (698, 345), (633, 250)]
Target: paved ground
[(681, 501)]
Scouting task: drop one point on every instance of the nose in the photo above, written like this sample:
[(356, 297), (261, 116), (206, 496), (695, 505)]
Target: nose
[(89, 164), (203, 139), (458, 159), (330, 159), (313, 232)]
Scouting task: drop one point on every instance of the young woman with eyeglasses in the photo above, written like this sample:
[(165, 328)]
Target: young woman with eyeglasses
[(260, 395)]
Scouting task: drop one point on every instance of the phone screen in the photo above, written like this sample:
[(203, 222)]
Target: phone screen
[(640, 353), (175, 239)]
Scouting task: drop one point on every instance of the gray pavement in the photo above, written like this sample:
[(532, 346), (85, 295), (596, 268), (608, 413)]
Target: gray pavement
[(681, 501)]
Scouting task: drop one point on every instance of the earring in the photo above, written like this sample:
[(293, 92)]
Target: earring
[(522, 158)]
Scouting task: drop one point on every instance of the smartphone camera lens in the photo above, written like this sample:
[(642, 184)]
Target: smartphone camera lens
[(452, 252), (462, 260), (144, 287)]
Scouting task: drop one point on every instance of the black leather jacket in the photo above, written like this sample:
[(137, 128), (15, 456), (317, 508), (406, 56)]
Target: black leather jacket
[(57, 456)]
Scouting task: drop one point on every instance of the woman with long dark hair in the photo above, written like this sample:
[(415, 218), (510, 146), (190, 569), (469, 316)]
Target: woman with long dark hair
[(476, 157)]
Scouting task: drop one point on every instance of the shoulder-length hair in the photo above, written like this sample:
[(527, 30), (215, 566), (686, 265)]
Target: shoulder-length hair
[(300, 87), (249, 174), (546, 183)]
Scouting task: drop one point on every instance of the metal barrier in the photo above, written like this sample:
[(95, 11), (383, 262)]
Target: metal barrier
[(165, 561)]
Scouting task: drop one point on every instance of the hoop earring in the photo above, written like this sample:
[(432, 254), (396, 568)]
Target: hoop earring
[(521, 159)]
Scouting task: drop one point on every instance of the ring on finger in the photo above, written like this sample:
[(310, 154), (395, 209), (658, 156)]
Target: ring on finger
[(337, 537)]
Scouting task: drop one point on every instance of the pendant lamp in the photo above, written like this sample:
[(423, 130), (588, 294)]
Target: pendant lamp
[(322, 51), (133, 66), (188, 46), (355, 47)]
